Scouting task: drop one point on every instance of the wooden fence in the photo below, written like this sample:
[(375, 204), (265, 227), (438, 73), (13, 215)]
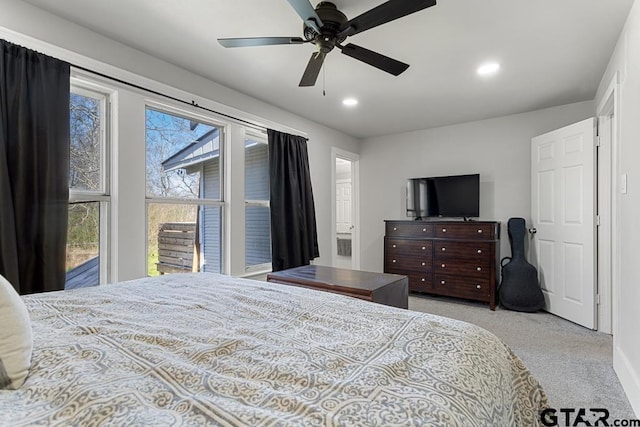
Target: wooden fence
[(177, 247)]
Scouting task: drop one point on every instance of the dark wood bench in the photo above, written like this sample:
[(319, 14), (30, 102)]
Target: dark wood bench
[(382, 288)]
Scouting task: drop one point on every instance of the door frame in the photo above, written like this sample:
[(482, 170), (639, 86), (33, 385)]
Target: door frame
[(338, 153), (609, 267)]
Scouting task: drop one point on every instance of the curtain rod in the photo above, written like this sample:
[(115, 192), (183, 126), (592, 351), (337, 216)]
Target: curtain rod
[(173, 98)]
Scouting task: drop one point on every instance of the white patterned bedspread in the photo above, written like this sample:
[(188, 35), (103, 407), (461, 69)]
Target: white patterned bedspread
[(204, 349)]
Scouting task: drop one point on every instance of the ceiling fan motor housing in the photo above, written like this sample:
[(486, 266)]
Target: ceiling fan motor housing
[(332, 20)]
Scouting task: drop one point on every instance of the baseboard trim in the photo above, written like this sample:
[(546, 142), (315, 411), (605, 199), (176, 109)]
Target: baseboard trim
[(628, 378)]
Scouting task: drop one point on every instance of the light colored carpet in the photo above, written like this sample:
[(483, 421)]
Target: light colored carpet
[(573, 364)]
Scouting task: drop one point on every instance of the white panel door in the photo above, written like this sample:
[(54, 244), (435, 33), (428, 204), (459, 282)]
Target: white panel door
[(563, 215), (344, 218)]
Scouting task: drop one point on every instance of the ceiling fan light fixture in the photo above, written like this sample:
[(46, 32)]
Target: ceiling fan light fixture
[(349, 102), (488, 68)]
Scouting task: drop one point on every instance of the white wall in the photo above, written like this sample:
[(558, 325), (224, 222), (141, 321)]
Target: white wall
[(625, 61), (31, 27), (498, 149)]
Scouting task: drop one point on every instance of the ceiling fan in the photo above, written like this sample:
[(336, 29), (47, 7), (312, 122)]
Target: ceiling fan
[(327, 27)]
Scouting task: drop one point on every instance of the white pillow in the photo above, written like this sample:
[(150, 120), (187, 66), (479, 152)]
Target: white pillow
[(16, 341)]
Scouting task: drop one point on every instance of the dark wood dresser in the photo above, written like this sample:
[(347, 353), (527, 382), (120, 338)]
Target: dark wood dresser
[(452, 258)]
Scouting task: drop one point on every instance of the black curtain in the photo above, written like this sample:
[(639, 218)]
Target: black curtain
[(34, 168), (294, 237)]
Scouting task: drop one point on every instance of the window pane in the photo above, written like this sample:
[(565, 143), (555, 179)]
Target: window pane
[(256, 188), (183, 238), (258, 236), (183, 157), (211, 243), (83, 245), (85, 143), (256, 170)]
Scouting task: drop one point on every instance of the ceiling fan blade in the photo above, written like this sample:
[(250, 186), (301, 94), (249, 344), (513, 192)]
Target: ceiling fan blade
[(386, 12), (313, 69), (375, 59), (308, 14), (259, 41)]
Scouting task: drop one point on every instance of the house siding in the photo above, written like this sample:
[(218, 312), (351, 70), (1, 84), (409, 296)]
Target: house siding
[(257, 218), (211, 219)]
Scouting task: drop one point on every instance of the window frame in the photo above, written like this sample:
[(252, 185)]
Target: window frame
[(102, 196), (221, 203), (260, 138)]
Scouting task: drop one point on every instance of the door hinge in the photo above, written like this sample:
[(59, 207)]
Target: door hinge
[(598, 220), (598, 141), (598, 299)]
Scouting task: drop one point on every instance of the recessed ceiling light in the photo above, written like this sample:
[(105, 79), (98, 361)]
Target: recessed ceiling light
[(350, 102), (488, 68)]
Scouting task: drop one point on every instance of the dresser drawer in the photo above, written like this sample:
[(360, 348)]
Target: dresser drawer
[(457, 286), (464, 231), (414, 229), (471, 270), (402, 263), (468, 251), (401, 247), (420, 282)]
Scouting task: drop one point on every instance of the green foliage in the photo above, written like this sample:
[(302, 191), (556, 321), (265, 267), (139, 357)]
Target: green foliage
[(83, 234)]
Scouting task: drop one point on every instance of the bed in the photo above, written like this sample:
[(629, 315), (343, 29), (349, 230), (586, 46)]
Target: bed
[(206, 349)]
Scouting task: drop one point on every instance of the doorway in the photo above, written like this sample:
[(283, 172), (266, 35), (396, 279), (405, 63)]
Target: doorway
[(598, 292), (345, 247)]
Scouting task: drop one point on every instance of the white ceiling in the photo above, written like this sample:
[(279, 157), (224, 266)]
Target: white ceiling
[(552, 52)]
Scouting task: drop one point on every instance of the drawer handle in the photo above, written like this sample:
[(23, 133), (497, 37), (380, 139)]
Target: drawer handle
[(479, 251), (444, 230), (423, 280), (424, 229), (393, 260), (444, 266), (424, 263), (480, 231), (393, 246), (395, 228), (442, 282), (424, 248), (443, 249), (478, 286), (479, 268)]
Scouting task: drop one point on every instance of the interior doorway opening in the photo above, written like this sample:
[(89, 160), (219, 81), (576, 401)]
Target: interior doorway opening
[(345, 209)]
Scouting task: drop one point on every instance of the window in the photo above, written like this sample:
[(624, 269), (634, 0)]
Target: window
[(257, 215), (184, 193), (88, 237), (189, 222)]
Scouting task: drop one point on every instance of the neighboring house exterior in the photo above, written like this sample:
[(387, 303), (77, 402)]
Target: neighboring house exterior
[(203, 156)]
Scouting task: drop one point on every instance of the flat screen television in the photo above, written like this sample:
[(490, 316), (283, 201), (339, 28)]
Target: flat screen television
[(456, 196)]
